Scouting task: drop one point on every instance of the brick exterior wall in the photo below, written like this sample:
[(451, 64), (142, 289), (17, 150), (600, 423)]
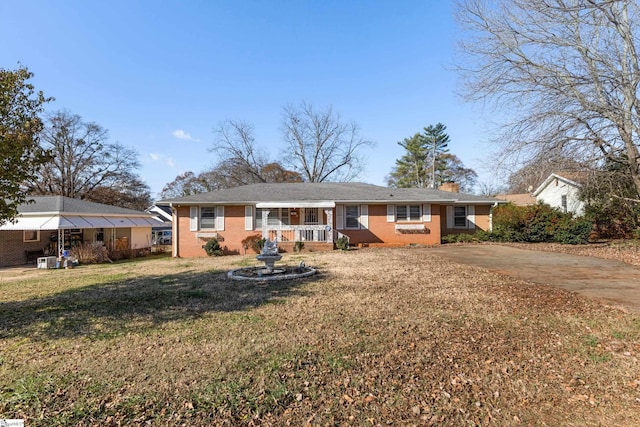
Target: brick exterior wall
[(379, 233), (383, 233), (482, 222), (12, 248), (230, 238)]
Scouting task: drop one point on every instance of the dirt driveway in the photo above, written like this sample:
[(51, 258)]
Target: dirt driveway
[(613, 282)]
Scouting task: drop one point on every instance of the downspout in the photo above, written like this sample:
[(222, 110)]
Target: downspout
[(174, 231), (495, 205)]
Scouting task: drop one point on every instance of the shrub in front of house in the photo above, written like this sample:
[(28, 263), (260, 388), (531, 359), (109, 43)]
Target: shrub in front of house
[(255, 242), (539, 223), (212, 248), (575, 231), (343, 243)]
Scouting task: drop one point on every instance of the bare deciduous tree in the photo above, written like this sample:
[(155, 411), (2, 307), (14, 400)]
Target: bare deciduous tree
[(185, 184), (567, 70), (84, 164), (320, 146), (240, 160), (236, 146)]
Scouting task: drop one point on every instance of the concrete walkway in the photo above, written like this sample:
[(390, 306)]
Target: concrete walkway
[(613, 282)]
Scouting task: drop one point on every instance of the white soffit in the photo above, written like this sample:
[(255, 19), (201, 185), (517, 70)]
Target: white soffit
[(266, 205), (56, 222), (31, 223)]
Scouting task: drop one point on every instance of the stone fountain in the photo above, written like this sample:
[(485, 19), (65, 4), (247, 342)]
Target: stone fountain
[(270, 255)]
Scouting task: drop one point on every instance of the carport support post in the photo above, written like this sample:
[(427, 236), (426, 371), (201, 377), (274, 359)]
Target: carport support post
[(60, 243)]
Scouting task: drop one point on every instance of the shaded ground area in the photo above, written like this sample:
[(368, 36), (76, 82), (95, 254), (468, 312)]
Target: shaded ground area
[(612, 281)]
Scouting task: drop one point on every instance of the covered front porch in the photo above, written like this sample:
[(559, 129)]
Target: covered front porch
[(288, 223)]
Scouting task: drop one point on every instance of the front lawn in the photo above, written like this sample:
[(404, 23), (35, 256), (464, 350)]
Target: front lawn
[(379, 337)]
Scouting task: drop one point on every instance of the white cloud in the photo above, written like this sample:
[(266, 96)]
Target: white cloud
[(181, 134), (155, 157), (171, 162)]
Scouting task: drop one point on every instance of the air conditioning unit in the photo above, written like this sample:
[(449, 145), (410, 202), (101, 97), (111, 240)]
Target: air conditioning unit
[(47, 262)]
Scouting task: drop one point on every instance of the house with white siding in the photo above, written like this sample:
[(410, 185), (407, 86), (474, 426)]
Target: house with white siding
[(561, 192)]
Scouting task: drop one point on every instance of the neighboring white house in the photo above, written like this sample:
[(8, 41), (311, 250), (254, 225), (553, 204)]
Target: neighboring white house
[(562, 193)]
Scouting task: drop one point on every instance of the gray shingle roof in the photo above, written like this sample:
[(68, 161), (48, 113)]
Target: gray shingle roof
[(338, 192), (67, 205)]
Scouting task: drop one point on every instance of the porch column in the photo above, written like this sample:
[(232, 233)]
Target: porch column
[(329, 234), (265, 223)]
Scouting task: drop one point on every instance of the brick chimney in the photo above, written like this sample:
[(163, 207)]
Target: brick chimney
[(451, 187)]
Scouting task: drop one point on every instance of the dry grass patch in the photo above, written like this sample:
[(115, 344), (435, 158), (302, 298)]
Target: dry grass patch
[(380, 337)]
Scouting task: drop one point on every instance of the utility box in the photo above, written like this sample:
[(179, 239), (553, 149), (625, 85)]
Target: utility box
[(47, 262)]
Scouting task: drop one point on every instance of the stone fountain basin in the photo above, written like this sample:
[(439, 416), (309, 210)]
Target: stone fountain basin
[(278, 273)]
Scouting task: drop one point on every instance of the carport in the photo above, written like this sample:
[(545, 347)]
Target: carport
[(58, 213)]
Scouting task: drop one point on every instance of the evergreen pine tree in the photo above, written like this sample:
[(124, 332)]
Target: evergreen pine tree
[(423, 160), (436, 143)]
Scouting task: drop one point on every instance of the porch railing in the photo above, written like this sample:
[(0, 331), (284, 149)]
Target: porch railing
[(303, 233), (299, 233)]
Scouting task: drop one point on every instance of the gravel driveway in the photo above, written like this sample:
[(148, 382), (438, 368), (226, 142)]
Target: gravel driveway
[(613, 282)]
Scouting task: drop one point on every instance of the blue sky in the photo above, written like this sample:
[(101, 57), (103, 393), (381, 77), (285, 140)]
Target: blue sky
[(160, 75)]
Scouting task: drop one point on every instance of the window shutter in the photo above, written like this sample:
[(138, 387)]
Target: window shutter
[(449, 216), (339, 217), (193, 218), (471, 216), (248, 217), (364, 217), (426, 213), (220, 218), (391, 213)]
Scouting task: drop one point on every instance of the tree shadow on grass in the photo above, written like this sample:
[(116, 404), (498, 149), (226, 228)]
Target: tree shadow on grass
[(132, 304)]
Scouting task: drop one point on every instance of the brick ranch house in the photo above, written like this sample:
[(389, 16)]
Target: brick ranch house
[(51, 224), (317, 214)]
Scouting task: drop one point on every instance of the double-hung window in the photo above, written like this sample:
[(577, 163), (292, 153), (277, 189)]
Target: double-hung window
[(408, 213), (352, 215), (460, 217), (208, 218)]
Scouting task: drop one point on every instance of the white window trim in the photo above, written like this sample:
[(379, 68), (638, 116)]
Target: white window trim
[(215, 218), (24, 236), (340, 218), (466, 219), (220, 218), (426, 213), (364, 217), (470, 217), (391, 213), (357, 227), (408, 206), (248, 218), (194, 217)]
